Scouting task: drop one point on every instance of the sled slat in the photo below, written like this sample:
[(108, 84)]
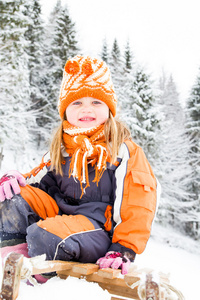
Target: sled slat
[(51, 266), (85, 269), (11, 277), (109, 273)]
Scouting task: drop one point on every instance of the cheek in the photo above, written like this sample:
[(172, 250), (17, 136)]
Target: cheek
[(70, 115), (104, 115)]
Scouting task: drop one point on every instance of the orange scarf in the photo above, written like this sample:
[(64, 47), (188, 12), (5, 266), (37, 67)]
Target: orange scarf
[(85, 145)]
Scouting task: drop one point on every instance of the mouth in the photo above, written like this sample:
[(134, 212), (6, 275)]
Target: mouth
[(86, 119)]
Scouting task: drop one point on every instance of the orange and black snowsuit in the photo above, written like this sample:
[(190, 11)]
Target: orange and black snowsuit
[(115, 215)]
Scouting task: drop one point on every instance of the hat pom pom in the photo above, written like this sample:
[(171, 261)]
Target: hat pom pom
[(72, 67), (87, 68)]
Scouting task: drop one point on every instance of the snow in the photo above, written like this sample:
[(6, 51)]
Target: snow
[(164, 255), (56, 288), (182, 266)]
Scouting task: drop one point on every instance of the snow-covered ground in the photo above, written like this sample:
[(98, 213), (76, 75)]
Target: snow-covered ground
[(163, 253)]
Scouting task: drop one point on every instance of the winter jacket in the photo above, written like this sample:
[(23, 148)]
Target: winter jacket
[(123, 203), (115, 215)]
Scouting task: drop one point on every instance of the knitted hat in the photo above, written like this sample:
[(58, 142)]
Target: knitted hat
[(86, 77)]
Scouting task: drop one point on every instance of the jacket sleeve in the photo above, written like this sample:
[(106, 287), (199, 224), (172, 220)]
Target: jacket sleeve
[(135, 200)]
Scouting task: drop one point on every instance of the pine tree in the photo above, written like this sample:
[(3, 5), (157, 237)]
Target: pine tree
[(35, 52), (34, 35), (115, 60), (193, 122), (128, 57), (174, 110), (116, 66), (124, 75), (173, 169), (104, 53), (136, 99), (62, 44), (193, 131), (14, 76), (144, 117)]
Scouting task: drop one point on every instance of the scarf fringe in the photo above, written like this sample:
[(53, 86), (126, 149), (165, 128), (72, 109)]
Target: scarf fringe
[(83, 148)]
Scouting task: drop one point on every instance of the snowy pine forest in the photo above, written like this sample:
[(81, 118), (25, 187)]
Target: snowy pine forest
[(33, 53)]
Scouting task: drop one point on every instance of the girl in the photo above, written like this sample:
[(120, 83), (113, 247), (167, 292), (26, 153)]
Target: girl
[(97, 199)]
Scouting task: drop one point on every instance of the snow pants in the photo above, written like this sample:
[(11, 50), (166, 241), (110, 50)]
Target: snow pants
[(35, 215)]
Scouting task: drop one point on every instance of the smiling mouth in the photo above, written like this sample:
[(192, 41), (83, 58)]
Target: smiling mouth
[(86, 119)]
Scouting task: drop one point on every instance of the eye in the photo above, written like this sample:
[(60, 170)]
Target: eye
[(76, 103), (96, 102)]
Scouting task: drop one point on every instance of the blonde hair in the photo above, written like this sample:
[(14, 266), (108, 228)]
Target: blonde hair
[(116, 133)]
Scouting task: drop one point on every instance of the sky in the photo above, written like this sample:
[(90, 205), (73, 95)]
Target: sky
[(163, 34)]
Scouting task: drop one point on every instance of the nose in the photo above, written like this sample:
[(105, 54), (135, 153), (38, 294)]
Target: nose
[(87, 107)]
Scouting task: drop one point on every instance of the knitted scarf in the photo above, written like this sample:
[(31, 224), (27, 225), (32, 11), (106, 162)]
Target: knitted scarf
[(85, 145)]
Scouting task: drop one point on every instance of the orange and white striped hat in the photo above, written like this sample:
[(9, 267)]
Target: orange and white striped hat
[(86, 77)]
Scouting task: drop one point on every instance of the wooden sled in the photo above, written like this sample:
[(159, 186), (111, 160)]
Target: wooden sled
[(130, 286)]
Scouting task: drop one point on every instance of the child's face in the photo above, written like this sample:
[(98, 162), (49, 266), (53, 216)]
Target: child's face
[(87, 112)]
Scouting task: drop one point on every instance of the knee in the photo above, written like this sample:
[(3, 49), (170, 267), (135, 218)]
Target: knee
[(59, 239), (40, 241), (16, 215), (84, 247)]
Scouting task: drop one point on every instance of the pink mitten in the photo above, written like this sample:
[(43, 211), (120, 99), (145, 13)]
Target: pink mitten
[(114, 260), (10, 184)]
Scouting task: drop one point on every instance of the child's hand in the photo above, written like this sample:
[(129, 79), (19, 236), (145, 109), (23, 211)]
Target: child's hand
[(114, 260), (10, 184)]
